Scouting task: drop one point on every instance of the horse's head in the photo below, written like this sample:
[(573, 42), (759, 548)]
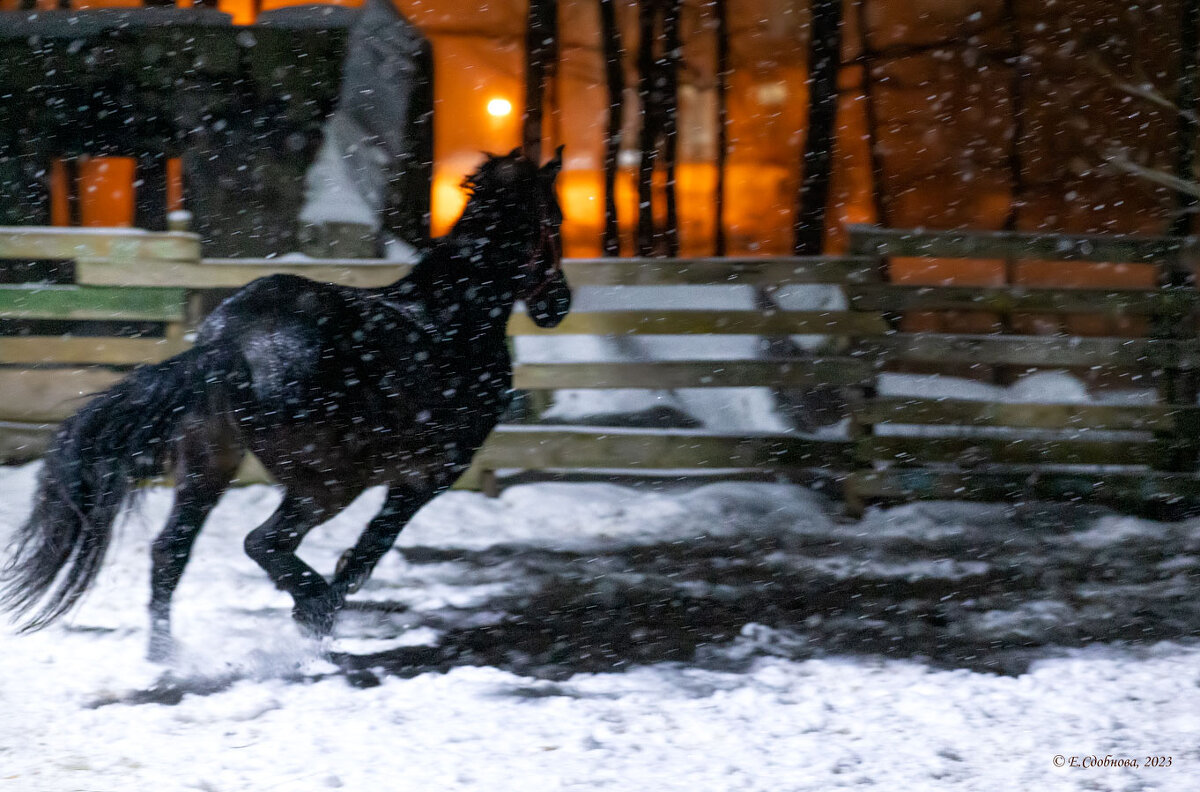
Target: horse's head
[(520, 191)]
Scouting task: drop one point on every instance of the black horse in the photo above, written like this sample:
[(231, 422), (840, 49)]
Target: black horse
[(334, 389)]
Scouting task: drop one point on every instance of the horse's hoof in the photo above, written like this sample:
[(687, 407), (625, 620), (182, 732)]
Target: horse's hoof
[(315, 619), (347, 585)]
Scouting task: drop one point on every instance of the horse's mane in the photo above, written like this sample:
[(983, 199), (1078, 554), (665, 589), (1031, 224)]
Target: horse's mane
[(498, 174)]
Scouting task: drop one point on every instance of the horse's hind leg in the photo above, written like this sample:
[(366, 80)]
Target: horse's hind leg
[(273, 545), (207, 461)]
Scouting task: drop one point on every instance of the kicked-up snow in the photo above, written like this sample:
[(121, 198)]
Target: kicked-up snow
[(572, 636)]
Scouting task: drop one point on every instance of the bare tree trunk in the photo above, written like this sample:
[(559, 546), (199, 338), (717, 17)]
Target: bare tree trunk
[(649, 130), (671, 57), (541, 54), (1006, 375), (719, 244), (824, 58), (658, 90), (1186, 101), (610, 34), (1015, 165), (867, 59)]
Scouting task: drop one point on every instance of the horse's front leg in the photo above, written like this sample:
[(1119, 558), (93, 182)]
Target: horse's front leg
[(356, 564), (273, 545)]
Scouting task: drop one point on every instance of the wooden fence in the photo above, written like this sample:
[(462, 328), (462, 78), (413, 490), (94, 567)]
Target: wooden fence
[(132, 296)]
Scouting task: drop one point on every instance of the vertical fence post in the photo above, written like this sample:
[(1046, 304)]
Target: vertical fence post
[(1177, 321), (860, 431)]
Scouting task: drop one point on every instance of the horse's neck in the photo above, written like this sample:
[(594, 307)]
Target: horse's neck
[(456, 284)]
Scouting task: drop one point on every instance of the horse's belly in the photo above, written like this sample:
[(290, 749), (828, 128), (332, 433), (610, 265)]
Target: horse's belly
[(343, 461)]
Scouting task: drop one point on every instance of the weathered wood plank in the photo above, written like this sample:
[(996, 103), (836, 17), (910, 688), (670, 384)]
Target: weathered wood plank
[(1029, 415), (1043, 351), (58, 350), (120, 244), (370, 273), (694, 374), (1021, 485), (1175, 302), (706, 322), (564, 449), (972, 451), (82, 302), (546, 449), (233, 273), (20, 442), (720, 271), (49, 395), (873, 241)]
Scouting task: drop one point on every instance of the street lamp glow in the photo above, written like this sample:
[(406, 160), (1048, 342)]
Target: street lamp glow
[(499, 107)]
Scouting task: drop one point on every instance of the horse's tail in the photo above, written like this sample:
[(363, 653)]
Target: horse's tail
[(93, 463)]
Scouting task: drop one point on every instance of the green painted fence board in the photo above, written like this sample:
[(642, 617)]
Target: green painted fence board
[(84, 302)]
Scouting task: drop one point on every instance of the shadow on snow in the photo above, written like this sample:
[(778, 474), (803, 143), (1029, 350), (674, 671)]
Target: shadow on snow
[(991, 590), (992, 595)]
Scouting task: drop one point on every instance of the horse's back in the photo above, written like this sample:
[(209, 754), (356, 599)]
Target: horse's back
[(271, 300), (273, 324)]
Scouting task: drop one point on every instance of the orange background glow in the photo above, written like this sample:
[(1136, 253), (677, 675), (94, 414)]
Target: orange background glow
[(944, 133)]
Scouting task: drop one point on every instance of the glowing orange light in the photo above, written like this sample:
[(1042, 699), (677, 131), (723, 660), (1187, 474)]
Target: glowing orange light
[(499, 107)]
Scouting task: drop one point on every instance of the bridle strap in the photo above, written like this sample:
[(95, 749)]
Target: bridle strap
[(548, 239)]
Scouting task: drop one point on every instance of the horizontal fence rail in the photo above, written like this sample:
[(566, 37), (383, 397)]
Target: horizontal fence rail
[(1146, 354), (366, 273), (133, 297), (114, 245), (660, 375), (76, 302), (1026, 415), (1171, 252), (730, 322), (893, 298)]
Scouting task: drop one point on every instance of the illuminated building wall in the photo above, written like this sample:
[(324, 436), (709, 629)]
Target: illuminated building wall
[(967, 134)]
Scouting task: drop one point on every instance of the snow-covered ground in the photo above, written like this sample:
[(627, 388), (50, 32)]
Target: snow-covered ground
[(585, 636)]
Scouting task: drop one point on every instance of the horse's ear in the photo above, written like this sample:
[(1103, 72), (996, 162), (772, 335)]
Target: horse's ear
[(554, 166)]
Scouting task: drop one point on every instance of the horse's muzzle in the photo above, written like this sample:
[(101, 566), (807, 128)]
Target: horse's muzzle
[(550, 304)]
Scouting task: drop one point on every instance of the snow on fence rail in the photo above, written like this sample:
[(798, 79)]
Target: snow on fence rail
[(128, 297)]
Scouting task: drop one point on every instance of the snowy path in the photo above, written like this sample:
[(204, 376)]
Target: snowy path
[(593, 637)]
